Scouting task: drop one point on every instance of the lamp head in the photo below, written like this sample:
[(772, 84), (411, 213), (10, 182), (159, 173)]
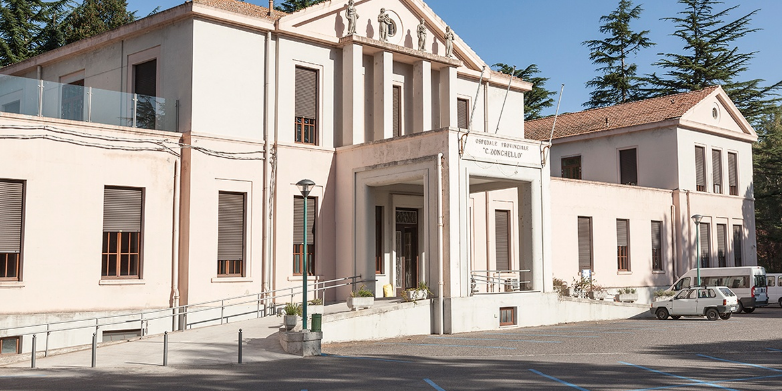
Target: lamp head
[(305, 186), (697, 218)]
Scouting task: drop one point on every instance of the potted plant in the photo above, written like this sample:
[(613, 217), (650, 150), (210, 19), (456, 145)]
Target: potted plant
[(315, 306), (362, 298), (626, 295), (560, 286), (291, 313), (588, 287), (597, 292), (414, 294)]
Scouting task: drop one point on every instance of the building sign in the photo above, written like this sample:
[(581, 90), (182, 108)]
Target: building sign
[(502, 151)]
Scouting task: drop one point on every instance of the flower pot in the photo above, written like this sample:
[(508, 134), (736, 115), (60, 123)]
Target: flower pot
[(627, 297), (290, 321), (355, 303)]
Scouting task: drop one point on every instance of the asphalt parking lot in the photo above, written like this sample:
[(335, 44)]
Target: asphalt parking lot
[(742, 353)]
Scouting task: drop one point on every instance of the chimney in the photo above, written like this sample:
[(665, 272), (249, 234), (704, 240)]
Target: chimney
[(271, 7)]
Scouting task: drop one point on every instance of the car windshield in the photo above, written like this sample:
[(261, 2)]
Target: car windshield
[(727, 292)]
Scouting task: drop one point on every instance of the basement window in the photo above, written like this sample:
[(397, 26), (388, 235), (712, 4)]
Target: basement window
[(507, 316)]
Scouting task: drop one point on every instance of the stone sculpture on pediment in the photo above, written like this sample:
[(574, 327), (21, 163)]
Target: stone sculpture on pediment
[(352, 16), (422, 36), (448, 41), (384, 23)]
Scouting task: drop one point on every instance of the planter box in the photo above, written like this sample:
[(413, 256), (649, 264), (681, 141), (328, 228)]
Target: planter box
[(355, 303), (627, 297), (290, 321), (416, 294), (598, 295)]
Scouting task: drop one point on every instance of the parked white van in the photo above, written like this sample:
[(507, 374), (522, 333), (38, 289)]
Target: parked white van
[(747, 282), (774, 288)]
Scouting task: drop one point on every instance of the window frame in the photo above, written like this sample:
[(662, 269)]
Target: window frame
[(298, 248), (570, 171), (716, 171), (657, 253), (18, 254), (733, 180), (722, 245), (705, 237), (466, 112), (379, 258), (590, 243), (18, 344), (508, 311), (508, 243), (700, 175), (397, 111), (106, 252), (623, 252), (738, 245), (623, 178), (232, 267), (303, 126)]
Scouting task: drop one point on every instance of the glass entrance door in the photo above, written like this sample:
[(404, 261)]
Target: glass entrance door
[(407, 248)]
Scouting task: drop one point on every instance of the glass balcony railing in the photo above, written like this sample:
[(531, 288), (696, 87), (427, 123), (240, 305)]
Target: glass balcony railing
[(78, 103)]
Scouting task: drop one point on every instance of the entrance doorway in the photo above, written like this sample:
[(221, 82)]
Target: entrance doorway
[(407, 248)]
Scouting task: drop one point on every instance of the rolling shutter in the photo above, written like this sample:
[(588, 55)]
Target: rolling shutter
[(397, 92), (230, 227), (656, 234), (502, 233), (621, 233), (298, 220), (462, 108), (737, 248), (716, 170), (121, 210), (628, 169), (732, 174), (700, 168), (306, 93), (11, 195), (721, 244), (584, 243), (145, 78), (704, 241)]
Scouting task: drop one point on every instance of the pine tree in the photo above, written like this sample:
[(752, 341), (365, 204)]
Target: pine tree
[(20, 28), (94, 17), (537, 99), (711, 58), (767, 156), (291, 6), (618, 82)]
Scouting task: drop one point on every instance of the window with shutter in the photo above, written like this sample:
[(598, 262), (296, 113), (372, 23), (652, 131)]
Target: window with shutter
[(722, 245), (502, 235), (571, 167), (379, 269), (397, 113), (306, 106), (122, 211), (657, 253), (738, 238), (462, 113), (704, 244), (584, 243), (298, 234), (11, 207), (628, 167), (700, 169), (622, 245), (230, 234), (733, 179), (716, 170)]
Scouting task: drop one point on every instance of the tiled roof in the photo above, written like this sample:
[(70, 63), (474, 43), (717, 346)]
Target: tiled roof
[(242, 8), (614, 117)]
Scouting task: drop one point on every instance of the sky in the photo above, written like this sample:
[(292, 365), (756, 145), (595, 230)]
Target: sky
[(549, 33)]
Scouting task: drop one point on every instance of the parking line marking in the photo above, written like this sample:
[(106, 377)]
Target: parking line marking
[(571, 385), (740, 363), (435, 386), (695, 381), (546, 335), (365, 358), (457, 346), (497, 339), (718, 381)]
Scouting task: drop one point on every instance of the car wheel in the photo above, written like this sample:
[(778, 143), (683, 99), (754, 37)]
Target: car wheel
[(749, 310), (741, 308), (780, 301), (712, 314), (726, 315), (674, 317), (662, 313)]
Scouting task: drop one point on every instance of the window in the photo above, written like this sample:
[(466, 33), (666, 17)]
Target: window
[(628, 167), (738, 237), (704, 244), (771, 281), (622, 255), (73, 101), (11, 206), (298, 234), (230, 234), (145, 86), (121, 232), (571, 167), (397, 113), (584, 243), (462, 113), (379, 240), (716, 170), (700, 169), (722, 245), (657, 250), (733, 182), (507, 316), (502, 239), (306, 106), (10, 345)]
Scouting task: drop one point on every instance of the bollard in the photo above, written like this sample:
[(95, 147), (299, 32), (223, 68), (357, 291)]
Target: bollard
[(240, 346), (94, 348), (317, 319), (165, 348), (32, 359)]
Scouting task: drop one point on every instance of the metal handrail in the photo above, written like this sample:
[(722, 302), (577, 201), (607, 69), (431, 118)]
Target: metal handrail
[(490, 278), (184, 310)]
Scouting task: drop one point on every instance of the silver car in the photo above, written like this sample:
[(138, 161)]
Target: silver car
[(713, 302)]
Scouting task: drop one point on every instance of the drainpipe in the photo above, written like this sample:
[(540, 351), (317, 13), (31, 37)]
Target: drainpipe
[(266, 256), (689, 231), (175, 243), (673, 243), (440, 285)]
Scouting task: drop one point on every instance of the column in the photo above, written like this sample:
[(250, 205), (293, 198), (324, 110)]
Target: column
[(383, 110), (448, 97), (422, 96), (352, 95)]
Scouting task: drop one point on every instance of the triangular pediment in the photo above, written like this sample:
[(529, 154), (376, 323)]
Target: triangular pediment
[(717, 111), (327, 21)]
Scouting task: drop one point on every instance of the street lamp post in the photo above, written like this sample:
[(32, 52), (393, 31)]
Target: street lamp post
[(697, 219), (305, 186)]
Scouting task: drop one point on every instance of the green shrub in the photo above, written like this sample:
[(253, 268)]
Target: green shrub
[(290, 309), (362, 292)]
